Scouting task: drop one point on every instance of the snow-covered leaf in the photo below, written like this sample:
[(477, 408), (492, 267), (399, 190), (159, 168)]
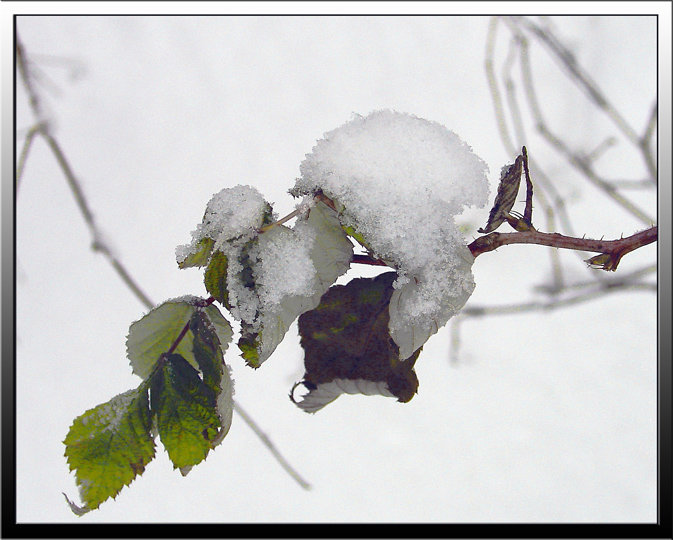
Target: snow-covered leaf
[(108, 446), (292, 270), (233, 214), (420, 307), (398, 181), (196, 256)]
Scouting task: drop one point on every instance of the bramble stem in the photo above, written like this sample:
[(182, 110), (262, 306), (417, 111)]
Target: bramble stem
[(614, 250)]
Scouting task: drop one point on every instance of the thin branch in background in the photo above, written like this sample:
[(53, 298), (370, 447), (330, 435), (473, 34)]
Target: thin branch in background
[(98, 244), (543, 182), (601, 149), (646, 143), (23, 156), (583, 292), (575, 159), (622, 279), (527, 307), (560, 294), (267, 442), (579, 162), (577, 75)]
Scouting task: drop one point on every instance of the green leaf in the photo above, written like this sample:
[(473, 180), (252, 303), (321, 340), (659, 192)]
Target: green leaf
[(220, 325), (154, 334), (200, 255), (346, 338), (109, 445), (215, 278), (186, 411), (350, 231), (332, 252), (216, 375)]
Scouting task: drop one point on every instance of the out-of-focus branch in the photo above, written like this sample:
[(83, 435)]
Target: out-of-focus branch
[(98, 244), (23, 156), (577, 74), (592, 291), (575, 159), (270, 446)]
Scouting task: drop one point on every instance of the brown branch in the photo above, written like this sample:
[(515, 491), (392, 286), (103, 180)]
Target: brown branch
[(611, 250), (368, 259)]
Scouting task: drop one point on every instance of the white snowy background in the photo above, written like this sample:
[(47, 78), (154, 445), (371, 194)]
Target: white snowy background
[(543, 417)]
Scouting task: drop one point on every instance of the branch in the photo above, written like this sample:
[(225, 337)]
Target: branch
[(611, 250)]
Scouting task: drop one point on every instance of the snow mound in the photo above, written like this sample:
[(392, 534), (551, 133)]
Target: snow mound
[(398, 181)]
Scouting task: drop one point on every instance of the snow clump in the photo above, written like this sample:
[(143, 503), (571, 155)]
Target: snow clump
[(398, 181), (232, 213)]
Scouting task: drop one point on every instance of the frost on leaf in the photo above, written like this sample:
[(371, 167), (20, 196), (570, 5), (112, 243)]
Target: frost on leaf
[(416, 313), (348, 348), (109, 445), (398, 181), (291, 269), (154, 334), (233, 214), (186, 412)]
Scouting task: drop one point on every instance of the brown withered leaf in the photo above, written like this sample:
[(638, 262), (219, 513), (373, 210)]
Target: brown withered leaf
[(508, 189), (346, 338)]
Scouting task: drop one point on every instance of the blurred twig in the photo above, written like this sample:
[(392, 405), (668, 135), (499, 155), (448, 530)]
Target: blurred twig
[(582, 163), (41, 128), (508, 111)]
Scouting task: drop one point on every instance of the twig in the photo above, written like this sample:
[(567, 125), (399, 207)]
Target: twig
[(267, 442), (646, 141), (23, 156), (612, 250), (98, 244), (582, 164), (578, 75), (480, 311)]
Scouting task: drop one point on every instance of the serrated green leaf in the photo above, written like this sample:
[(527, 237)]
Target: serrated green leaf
[(200, 256), (221, 325), (186, 411), (109, 445), (250, 344), (215, 278), (347, 338), (208, 354), (153, 335)]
